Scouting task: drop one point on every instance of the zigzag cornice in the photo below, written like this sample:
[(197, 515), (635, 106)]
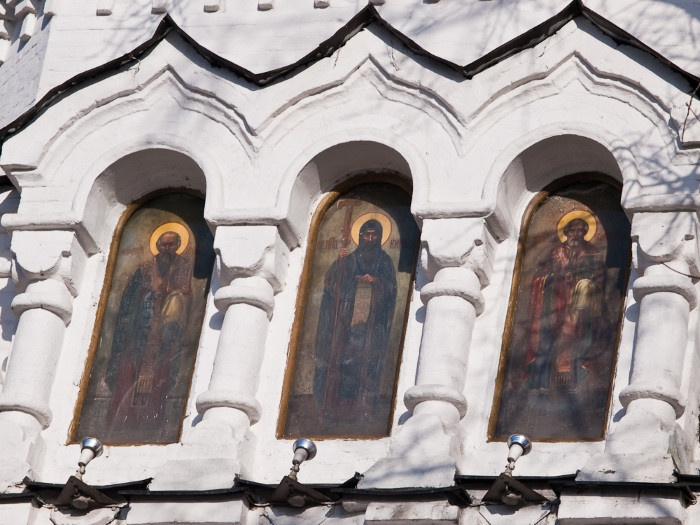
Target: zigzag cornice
[(555, 80), (391, 87), (364, 18), (136, 89)]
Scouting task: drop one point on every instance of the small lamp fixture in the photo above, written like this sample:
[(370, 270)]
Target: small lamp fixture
[(76, 493), (506, 489), (303, 449), (90, 449), (518, 445), (290, 491)]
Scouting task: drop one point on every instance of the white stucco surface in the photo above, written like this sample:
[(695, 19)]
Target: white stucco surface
[(74, 38), (476, 152)]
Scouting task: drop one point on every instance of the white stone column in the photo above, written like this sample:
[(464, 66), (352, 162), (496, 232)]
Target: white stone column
[(252, 263), (427, 445), (46, 269), (230, 402), (642, 445), (453, 300)]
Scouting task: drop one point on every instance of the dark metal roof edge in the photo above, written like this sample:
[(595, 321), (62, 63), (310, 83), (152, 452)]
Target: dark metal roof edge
[(570, 481), (466, 478), (620, 35), (526, 40), (167, 24), (164, 27), (249, 484), (186, 493), (399, 491), (116, 486), (691, 479), (17, 496), (362, 19)]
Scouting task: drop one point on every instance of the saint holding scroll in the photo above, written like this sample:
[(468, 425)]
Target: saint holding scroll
[(357, 308)]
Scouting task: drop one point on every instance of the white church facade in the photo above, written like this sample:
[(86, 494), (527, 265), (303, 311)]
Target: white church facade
[(404, 230)]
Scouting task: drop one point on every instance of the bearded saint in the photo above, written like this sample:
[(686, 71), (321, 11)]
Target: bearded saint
[(357, 308), (143, 364), (565, 302)]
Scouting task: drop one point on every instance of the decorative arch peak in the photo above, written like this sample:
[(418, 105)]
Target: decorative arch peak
[(363, 19)]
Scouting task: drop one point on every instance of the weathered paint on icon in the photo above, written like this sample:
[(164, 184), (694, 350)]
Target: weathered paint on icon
[(354, 313), (566, 316), (151, 323)]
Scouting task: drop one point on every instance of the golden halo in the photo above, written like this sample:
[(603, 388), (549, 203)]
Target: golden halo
[(383, 220), (577, 214), (170, 227)]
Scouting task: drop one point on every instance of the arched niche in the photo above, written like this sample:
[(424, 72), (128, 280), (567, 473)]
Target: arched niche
[(524, 169), (149, 319), (128, 180), (565, 312), (332, 167), (351, 313)]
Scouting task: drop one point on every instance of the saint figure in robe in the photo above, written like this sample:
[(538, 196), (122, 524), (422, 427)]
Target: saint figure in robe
[(143, 363), (357, 308), (564, 312)]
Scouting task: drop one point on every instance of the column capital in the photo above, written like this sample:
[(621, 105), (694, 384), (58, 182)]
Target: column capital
[(251, 251), (47, 254), (255, 291), (455, 282), (454, 242), (668, 238)]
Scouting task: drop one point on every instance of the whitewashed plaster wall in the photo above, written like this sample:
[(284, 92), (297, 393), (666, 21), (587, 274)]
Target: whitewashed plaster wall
[(9, 200), (476, 150), (44, 43)]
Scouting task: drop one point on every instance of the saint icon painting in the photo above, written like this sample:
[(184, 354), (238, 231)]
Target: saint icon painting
[(152, 319), (346, 353), (565, 318)]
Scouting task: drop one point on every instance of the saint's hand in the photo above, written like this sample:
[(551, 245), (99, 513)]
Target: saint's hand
[(343, 252), (367, 278)]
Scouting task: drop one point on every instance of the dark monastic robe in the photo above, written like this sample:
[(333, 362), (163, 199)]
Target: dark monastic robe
[(353, 330)]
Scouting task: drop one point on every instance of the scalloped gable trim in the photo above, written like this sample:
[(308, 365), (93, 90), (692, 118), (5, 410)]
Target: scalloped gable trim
[(368, 15)]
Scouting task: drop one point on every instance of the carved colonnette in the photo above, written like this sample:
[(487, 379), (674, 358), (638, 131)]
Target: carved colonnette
[(423, 452), (642, 447), (47, 269), (252, 265)]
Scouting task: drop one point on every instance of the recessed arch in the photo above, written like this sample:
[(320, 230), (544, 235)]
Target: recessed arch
[(352, 310), (534, 162), (148, 321), (565, 313), (335, 164), (101, 200)]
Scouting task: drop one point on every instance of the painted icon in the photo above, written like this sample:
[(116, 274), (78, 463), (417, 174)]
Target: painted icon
[(566, 317), (151, 325), (354, 314)]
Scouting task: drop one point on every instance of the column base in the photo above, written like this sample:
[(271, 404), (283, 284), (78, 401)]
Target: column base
[(206, 473), (418, 513), (15, 456), (203, 467), (402, 472), (143, 511), (421, 455), (13, 471), (633, 467)]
